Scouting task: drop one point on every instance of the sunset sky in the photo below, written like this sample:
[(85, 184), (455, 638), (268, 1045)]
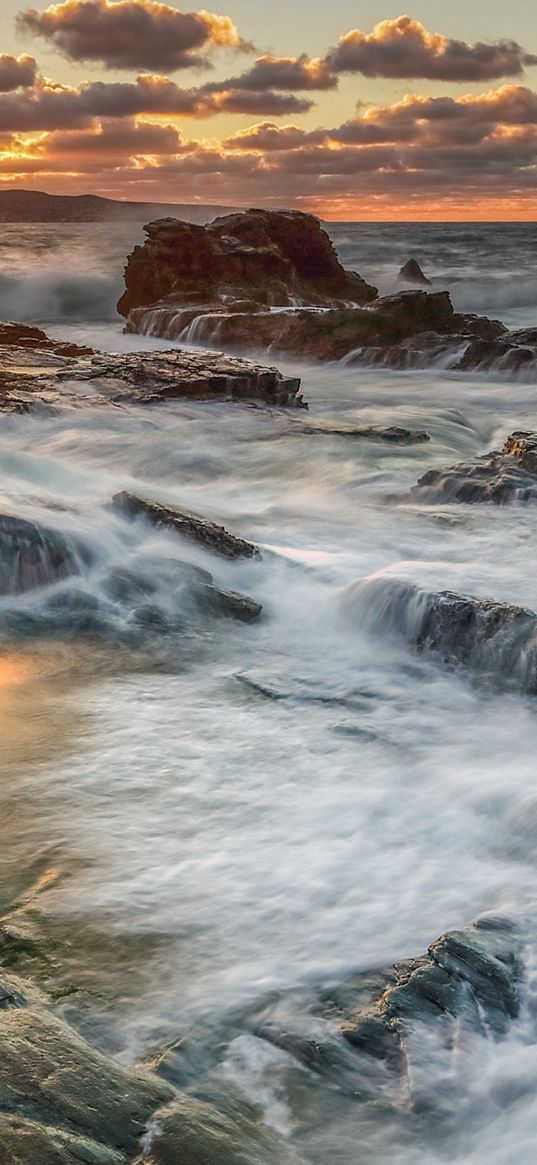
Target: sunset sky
[(352, 110)]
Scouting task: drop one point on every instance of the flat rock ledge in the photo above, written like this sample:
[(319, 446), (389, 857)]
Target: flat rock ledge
[(502, 477), (38, 371)]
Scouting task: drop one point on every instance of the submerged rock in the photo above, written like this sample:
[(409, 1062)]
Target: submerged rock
[(32, 555), (391, 435), (191, 526), (503, 476), (413, 274), (261, 257)]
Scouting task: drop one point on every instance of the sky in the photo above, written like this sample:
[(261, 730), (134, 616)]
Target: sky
[(350, 110)]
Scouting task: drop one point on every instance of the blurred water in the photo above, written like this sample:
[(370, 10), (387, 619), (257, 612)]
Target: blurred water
[(244, 808)]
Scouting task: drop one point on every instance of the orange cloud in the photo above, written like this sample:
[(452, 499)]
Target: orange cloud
[(125, 34), (404, 48)]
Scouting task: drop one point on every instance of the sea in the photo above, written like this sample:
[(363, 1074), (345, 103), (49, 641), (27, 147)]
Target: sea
[(216, 818)]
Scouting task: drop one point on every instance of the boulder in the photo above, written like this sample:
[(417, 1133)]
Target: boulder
[(196, 529), (503, 476), (270, 258), (495, 640), (412, 274)]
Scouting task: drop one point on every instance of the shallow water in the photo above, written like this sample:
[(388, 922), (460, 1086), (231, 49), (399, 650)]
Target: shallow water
[(244, 809)]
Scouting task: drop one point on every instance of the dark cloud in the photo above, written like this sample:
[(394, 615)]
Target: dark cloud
[(294, 74), (129, 34), (16, 72), (404, 48)]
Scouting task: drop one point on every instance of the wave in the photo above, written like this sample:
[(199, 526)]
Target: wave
[(55, 296)]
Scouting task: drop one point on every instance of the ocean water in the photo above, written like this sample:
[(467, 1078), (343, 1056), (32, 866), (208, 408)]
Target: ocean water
[(235, 812)]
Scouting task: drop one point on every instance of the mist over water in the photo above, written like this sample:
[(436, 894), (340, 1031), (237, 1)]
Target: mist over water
[(236, 810)]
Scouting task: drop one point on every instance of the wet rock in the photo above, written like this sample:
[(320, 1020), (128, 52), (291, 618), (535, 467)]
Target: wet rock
[(229, 604), (151, 377), (15, 335), (497, 641), (502, 476), (391, 435), (50, 1076), (201, 1132), (515, 353), (196, 529), (33, 556), (413, 274), (473, 975), (27, 1142), (276, 258)]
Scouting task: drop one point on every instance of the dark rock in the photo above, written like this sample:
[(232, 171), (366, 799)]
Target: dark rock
[(392, 435), (513, 353), (32, 556), (276, 258), (217, 1130), (503, 476), (196, 529), (14, 335), (401, 330), (472, 975), (229, 604), (413, 274), (496, 640)]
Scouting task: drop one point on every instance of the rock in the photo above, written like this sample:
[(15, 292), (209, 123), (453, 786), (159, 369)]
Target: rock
[(413, 274), (516, 352), (502, 476), (196, 529), (27, 1142), (401, 330), (495, 640), (14, 335), (199, 1132), (33, 556), (276, 258), (150, 377), (229, 604), (392, 435), (472, 975), (51, 1076), (35, 375)]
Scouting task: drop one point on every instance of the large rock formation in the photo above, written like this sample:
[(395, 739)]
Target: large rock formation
[(264, 257), (503, 476)]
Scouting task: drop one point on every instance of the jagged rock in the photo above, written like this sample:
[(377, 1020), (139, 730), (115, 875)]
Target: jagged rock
[(191, 526), (496, 640), (276, 258), (32, 556), (42, 378), (473, 975), (150, 377), (413, 274), (503, 476)]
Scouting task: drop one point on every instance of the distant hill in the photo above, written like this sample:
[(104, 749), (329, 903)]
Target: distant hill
[(36, 206)]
